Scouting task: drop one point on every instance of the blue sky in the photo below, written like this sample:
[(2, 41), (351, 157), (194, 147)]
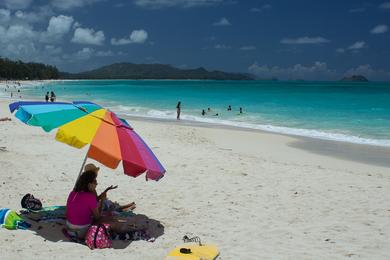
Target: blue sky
[(301, 39)]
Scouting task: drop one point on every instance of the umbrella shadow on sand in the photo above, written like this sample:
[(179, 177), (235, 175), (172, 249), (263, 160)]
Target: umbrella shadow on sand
[(53, 230)]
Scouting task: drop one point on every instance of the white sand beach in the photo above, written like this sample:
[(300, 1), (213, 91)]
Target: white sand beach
[(255, 195)]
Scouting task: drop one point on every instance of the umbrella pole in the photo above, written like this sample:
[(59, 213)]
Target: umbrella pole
[(82, 167)]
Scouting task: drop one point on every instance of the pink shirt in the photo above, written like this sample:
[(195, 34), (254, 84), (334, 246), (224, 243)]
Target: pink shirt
[(79, 208)]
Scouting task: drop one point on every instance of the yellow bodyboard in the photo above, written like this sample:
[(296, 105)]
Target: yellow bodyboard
[(203, 252)]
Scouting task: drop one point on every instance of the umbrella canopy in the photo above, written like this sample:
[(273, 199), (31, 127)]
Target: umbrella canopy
[(111, 139)]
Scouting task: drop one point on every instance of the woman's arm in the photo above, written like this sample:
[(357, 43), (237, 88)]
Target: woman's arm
[(98, 210), (105, 192), (96, 214)]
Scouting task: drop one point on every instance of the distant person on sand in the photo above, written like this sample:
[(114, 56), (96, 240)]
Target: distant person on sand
[(203, 112), (5, 119), (229, 108), (47, 96), (52, 96), (178, 110)]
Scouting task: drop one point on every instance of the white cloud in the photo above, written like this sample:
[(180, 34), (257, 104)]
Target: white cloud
[(57, 28), (222, 47), (53, 50), (317, 71), (369, 72), (364, 70), (297, 71), (381, 28), (385, 5), (5, 16), (357, 45), (104, 53), (88, 36), (69, 4), (76, 25), (81, 55), (18, 41), (248, 48), (16, 4), (39, 14), (304, 40), (136, 36), (21, 50), (158, 4), (260, 9), (17, 33), (85, 53), (222, 22)]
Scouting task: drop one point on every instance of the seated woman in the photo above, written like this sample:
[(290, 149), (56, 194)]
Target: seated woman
[(84, 209), (109, 205)]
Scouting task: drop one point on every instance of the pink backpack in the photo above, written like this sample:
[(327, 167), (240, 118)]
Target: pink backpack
[(98, 237)]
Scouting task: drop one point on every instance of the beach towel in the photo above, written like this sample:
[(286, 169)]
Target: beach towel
[(9, 219), (58, 213), (51, 213)]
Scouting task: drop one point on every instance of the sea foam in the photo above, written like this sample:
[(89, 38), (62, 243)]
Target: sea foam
[(312, 133)]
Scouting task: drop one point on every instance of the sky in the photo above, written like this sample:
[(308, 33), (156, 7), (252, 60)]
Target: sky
[(284, 39)]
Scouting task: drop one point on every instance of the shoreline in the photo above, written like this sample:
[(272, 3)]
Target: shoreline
[(379, 155), (367, 153)]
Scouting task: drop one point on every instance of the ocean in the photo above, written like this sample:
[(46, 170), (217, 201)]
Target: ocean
[(357, 112)]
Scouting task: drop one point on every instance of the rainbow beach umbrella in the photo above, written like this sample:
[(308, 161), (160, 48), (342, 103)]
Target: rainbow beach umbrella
[(79, 123)]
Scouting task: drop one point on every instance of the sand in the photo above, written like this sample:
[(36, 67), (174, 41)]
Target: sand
[(255, 195)]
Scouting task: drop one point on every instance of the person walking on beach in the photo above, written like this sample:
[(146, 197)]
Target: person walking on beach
[(178, 110), (52, 96), (47, 96)]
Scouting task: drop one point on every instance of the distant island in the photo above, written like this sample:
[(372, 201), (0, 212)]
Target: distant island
[(153, 71), (355, 78)]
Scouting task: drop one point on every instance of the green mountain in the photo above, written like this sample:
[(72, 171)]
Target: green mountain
[(153, 71)]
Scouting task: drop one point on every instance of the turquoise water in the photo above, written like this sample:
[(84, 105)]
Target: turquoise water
[(353, 112)]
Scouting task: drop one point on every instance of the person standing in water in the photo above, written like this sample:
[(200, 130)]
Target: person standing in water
[(52, 96), (178, 110), (47, 96), (240, 110)]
